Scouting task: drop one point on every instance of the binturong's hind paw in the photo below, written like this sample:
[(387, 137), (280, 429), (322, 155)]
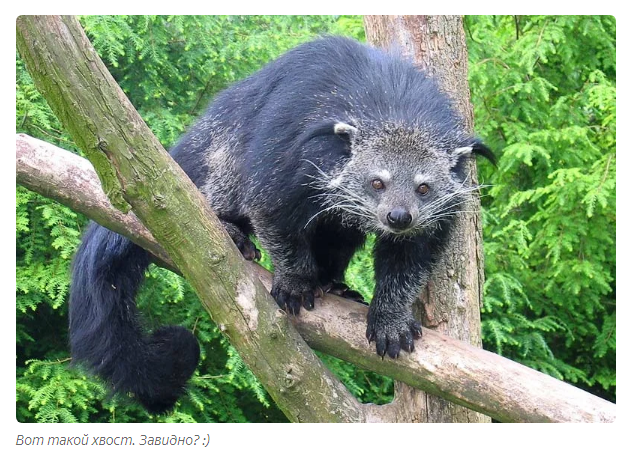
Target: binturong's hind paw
[(392, 333), (343, 290), (291, 293), (242, 241), (248, 249)]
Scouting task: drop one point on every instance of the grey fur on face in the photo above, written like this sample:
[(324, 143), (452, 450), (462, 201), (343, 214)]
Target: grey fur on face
[(394, 169)]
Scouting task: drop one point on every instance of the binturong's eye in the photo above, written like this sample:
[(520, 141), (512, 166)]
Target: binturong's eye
[(377, 184), (423, 189)]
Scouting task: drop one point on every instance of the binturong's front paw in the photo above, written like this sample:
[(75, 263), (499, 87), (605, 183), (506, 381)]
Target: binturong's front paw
[(392, 332), (293, 292)]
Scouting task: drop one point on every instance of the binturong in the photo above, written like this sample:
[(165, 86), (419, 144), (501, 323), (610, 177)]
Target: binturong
[(328, 143)]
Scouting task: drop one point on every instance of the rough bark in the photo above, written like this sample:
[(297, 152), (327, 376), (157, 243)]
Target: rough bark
[(440, 365), (137, 172), (451, 302)]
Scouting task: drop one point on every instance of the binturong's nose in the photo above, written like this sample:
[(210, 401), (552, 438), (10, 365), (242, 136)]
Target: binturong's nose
[(399, 218)]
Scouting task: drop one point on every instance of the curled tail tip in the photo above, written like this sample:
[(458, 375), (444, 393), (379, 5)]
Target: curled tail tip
[(106, 335), (172, 357), (154, 370)]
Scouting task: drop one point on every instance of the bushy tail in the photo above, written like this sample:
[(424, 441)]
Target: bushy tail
[(105, 332)]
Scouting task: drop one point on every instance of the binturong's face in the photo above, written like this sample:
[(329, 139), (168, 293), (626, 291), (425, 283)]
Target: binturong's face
[(397, 184)]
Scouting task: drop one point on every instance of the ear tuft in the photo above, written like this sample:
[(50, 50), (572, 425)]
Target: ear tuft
[(462, 152), (345, 131), (473, 146), (480, 149)]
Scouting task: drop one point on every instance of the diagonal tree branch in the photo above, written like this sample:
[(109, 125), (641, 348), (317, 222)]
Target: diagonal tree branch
[(479, 380)]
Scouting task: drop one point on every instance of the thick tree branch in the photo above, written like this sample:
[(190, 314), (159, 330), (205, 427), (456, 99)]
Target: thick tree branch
[(479, 380)]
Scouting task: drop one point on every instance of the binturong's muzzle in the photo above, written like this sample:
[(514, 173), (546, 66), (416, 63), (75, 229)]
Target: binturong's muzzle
[(399, 219)]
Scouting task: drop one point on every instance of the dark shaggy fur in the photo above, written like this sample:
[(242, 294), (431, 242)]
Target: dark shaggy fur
[(329, 142)]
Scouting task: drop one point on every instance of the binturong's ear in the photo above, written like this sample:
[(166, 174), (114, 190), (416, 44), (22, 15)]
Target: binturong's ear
[(346, 131), (480, 149), (474, 146), (462, 154), (326, 128)]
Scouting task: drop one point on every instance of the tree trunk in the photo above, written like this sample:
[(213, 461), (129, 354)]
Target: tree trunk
[(451, 302)]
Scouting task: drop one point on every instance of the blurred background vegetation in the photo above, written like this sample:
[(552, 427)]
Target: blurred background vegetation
[(544, 95)]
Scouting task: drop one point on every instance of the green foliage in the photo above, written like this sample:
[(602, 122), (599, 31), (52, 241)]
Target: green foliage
[(544, 93), (360, 272), (48, 391)]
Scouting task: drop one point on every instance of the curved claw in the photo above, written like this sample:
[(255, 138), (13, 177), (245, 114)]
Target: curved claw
[(416, 330), (292, 302), (308, 300), (393, 349), (406, 342), (393, 336)]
